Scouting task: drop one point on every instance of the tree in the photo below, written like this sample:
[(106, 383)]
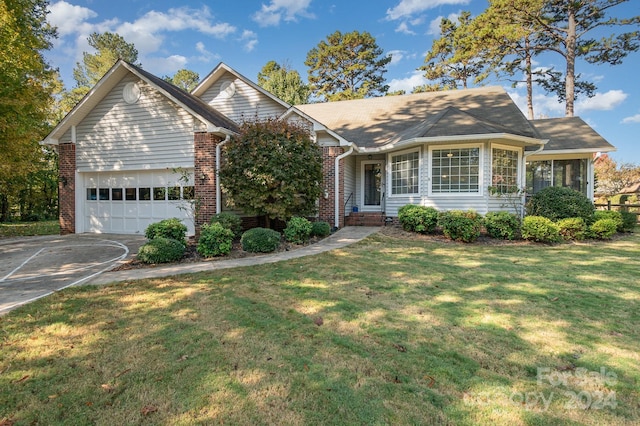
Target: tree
[(283, 82), (26, 84), (347, 66), (611, 177), (454, 58), (185, 79), (272, 168)]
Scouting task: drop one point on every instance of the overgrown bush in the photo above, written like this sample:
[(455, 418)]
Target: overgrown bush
[(503, 225), (260, 240), (215, 240), (629, 221), (603, 229), (320, 229), (167, 228), (541, 229), (557, 203), (161, 250), (298, 230), (572, 228), (460, 225), (616, 216), (421, 219), (229, 221)]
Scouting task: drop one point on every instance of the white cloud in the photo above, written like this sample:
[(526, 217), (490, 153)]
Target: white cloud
[(205, 56), (601, 101), (396, 56), (411, 7), (632, 119), (404, 28), (407, 84), (289, 10), (168, 65), (67, 17), (250, 40), (434, 25)]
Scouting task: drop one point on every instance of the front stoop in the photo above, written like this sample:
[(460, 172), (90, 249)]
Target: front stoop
[(365, 219)]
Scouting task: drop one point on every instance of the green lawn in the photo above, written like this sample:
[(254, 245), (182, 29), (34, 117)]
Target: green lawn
[(23, 229), (387, 331)]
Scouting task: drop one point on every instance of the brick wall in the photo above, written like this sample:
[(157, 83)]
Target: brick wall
[(67, 187), (205, 165), (326, 210)]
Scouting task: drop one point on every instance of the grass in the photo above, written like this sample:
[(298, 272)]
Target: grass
[(387, 331), (23, 229)]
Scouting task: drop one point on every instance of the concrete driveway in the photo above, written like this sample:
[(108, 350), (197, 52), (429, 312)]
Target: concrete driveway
[(34, 267)]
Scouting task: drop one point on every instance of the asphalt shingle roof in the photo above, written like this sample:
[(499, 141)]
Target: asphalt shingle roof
[(570, 133)]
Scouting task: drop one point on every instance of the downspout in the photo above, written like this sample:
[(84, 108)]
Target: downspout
[(336, 191), (218, 188)]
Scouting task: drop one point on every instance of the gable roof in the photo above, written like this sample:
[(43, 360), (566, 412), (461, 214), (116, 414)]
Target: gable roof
[(215, 121), (570, 134), (376, 122)]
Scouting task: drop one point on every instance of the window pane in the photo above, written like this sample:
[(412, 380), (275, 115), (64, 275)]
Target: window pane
[(144, 194), (505, 171), (538, 176), (405, 169), (188, 193), (571, 174), (174, 193), (92, 194), (452, 170), (159, 193), (130, 194), (116, 194), (104, 194)]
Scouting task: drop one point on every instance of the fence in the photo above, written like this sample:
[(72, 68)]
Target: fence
[(624, 207)]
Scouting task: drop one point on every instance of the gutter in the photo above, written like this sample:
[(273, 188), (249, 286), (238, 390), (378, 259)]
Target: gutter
[(336, 191), (218, 189)]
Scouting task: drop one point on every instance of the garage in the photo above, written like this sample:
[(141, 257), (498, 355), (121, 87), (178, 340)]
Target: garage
[(128, 202)]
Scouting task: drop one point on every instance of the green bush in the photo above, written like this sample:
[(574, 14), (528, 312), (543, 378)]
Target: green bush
[(260, 240), (161, 250), (298, 230), (460, 225), (541, 229), (572, 228), (610, 214), (421, 219), (603, 229), (503, 225), (557, 203), (320, 229), (229, 221), (167, 228), (629, 221), (215, 240)]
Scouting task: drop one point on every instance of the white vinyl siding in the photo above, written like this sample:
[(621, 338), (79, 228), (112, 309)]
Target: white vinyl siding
[(152, 133)]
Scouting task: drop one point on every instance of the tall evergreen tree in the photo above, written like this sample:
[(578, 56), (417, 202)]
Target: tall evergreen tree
[(283, 82), (185, 79)]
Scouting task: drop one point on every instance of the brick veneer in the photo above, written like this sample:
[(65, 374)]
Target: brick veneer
[(205, 165), (326, 210), (67, 187)]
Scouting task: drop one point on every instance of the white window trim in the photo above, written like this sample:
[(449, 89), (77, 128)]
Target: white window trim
[(389, 171), (364, 207), (481, 151), (519, 171)]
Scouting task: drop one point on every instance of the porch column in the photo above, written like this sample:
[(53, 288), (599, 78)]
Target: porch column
[(67, 187)]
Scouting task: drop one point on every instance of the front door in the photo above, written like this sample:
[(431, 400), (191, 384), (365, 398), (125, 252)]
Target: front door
[(372, 174)]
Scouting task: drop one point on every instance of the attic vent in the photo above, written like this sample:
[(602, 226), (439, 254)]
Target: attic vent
[(227, 89), (131, 93)]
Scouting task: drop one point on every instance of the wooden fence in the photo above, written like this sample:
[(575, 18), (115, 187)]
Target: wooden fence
[(632, 208)]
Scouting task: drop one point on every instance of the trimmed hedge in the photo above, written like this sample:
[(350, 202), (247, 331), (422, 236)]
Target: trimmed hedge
[(168, 228), (502, 225), (298, 230), (260, 240), (161, 250), (572, 228), (215, 240), (320, 229), (629, 221), (610, 214), (541, 229), (415, 218), (460, 225), (603, 229), (229, 221), (557, 203)]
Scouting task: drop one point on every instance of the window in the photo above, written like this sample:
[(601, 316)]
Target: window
[(159, 193), (173, 193), (405, 171), (566, 173), (92, 194), (104, 194), (116, 194), (504, 179), (144, 194), (455, 170), (538, 176), (188, 193), (130, 194)]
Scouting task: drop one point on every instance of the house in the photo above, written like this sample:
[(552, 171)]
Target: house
[(137, 150)]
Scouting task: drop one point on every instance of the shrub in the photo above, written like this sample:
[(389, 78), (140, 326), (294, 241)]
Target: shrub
[(260, 240), (215, 240), (603, 229), (161, 250), (572, 228), (628, 221), (229, 221), (298, 230), (320, 229), (541, 229), (503, 225), (557, 203), (414, 218), (460, 226), (616, 216), (167, 228)]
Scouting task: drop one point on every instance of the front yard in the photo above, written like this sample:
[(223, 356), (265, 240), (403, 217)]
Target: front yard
[(388, 331)]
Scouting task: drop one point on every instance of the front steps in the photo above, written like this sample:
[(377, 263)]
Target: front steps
[(365, 219)]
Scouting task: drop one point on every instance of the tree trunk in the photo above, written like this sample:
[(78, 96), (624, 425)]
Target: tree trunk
[(571, 61), (527, 46)]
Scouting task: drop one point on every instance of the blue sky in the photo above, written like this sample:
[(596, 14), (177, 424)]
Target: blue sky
[(246, 34)]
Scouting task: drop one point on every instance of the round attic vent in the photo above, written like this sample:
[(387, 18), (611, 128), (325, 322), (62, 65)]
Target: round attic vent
[(227, 89), (131, 93)]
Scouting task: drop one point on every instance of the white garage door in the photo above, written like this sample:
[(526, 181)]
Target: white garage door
[(128, 202)]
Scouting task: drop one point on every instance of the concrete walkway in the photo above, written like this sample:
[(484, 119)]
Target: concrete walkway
[(340, 239)]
